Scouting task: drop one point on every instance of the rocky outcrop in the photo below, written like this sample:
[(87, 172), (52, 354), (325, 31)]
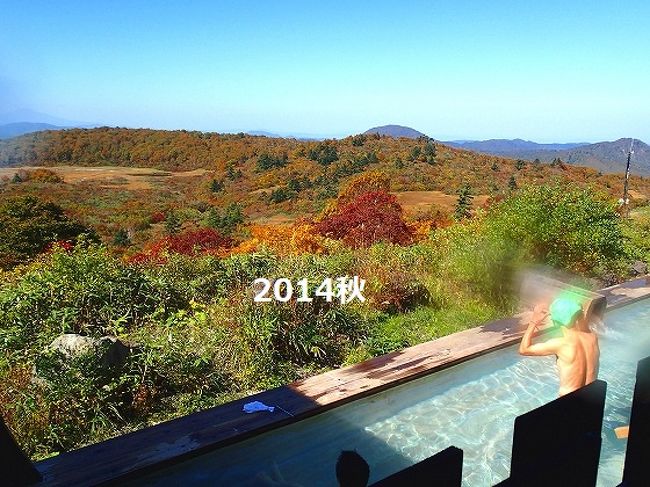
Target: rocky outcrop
[(110, 351), (639, 268)]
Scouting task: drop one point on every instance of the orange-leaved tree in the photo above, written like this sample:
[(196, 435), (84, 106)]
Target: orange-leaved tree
[(283, 239), (364, 183)]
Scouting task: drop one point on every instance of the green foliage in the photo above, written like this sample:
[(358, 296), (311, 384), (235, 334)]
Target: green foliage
[(414, 155), (194, 354), (226, 221), (172, 223), (520, 164), (562, 226), (464, 202), (284, 336), (397, 276), (512, 183), (199, 339), (242, 269), (355, 164), (427, 323), (232, 158), (430, 153), (358, 140), (28, 225), (279, 195), (85, 291), (324, 153), (477, 262), (183, 279), (86, 399), (636, 232), (216, 186), (266, 161), (233, 173), (299, 184), (121, 238)]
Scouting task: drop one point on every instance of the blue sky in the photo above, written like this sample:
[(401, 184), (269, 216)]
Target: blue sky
[(546, 71)]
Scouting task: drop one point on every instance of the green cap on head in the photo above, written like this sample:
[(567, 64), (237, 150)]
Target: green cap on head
[(563, 310)]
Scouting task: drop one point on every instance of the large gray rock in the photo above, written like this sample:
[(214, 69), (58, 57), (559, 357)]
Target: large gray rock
[(71, 345), (640, 268), (110, 350)]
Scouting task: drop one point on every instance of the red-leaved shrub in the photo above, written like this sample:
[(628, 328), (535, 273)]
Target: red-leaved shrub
[(197, 242), (66, 245), (157, 217), (368, 218)]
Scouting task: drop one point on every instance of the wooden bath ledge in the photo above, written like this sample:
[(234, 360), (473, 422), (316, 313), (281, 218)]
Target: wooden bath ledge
[(152, 448)]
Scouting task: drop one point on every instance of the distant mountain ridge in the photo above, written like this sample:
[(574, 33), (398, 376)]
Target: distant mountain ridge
[(504, 146), (273, 135), (607, 157), (19, 128), (395, 131), (20, 122), (263, 133), (19, 116)]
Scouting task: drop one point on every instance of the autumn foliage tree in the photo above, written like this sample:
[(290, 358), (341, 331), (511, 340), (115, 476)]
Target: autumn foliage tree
[(283, 239), (196, 242), (369, 218), (364, 183)]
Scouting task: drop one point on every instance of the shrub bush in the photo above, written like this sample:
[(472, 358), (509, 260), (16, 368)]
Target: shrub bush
[(84, 291), (396, 276), (637, 235), (563, 226), (476, 262), (28, 225)]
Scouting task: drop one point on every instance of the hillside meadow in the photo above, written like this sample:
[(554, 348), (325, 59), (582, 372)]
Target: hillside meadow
[(152, 240), (122, 180)]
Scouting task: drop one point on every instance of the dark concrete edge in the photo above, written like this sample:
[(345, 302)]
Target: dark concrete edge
[(44, 465)]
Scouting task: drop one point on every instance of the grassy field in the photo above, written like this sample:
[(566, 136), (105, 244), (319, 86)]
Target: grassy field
[(130, 178), (143, 180), (423, 201)]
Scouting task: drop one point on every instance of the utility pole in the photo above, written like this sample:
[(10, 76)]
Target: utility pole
[(626, 201)]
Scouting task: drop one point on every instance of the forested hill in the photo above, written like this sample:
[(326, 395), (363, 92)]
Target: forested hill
[(249, 163)]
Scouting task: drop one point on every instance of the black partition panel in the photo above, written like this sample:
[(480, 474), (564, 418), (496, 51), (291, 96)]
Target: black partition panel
[(16, 469), (559, 443), (637, 456), (445, 469)]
